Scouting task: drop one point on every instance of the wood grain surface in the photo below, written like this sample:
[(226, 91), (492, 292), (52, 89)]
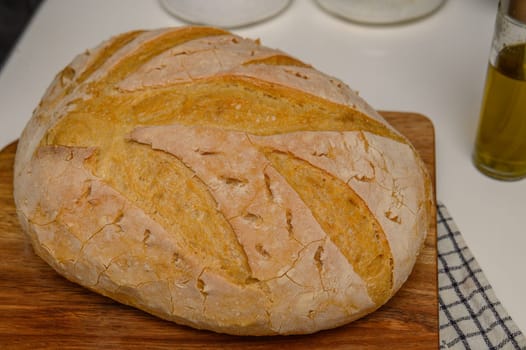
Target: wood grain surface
[(41, 310)]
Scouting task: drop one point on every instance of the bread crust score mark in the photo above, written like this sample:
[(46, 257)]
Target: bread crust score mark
[(257, 217), (166, 169)]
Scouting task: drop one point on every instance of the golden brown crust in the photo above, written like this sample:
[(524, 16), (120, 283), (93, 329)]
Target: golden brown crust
[(220, 184)]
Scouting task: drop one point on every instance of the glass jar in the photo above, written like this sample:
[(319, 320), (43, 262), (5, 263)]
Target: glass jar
[(380, 11), (224, 13), (500, 146)]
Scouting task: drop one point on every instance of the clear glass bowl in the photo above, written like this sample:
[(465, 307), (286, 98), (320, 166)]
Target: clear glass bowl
[(380, 11), (224, 13)]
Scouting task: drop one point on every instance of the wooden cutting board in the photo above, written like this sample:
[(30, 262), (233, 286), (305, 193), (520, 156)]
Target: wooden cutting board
[(39, 309)]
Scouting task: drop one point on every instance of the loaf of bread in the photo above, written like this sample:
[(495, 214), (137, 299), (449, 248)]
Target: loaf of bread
[(220, 184)]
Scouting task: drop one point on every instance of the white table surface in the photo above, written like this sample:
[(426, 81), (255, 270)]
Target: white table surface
[(435, 66)]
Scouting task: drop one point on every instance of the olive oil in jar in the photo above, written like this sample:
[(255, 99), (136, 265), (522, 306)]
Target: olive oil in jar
[(500, 148)]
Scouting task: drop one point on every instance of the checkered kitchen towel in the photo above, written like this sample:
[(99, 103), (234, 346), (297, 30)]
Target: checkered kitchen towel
[(471, 316)]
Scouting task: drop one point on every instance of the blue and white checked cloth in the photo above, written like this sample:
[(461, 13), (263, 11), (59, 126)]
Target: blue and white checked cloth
[(471, 316)]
